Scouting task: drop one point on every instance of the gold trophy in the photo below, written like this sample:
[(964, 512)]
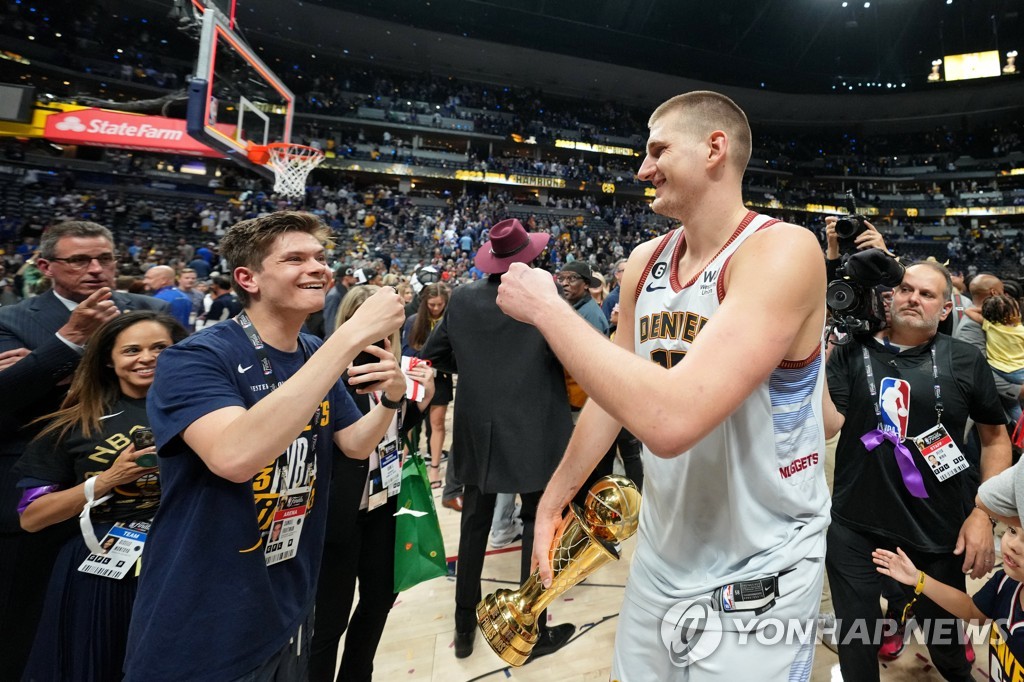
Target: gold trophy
[(587, 539)]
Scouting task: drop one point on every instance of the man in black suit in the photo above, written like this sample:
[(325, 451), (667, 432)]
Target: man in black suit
[(41, 343), (511, 422)]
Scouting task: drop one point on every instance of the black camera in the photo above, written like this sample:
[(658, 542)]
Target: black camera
[(848, 228), (855, 308), (853, 298)]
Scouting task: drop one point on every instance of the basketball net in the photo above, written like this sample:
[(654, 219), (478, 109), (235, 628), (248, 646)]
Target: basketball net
[(291, 164)]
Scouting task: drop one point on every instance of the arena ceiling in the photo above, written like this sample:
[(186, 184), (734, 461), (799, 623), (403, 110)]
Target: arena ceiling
[(788, 45)]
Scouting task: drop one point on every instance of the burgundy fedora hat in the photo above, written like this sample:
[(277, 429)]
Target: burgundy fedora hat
[(510, 243)]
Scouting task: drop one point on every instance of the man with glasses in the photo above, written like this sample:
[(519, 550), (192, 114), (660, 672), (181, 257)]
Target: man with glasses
[(576, 279), (41, 343)]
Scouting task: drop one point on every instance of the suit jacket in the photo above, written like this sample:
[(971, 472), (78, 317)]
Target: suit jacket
[(512, 420), (36, 384)]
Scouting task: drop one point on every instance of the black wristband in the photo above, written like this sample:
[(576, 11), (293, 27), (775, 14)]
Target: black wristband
[(391, 404)]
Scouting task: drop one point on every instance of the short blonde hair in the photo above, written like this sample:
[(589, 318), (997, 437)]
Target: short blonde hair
[(706, 112)]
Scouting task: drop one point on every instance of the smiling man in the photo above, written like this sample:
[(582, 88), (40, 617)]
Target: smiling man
[(246, 416), (716, 367), (41, 343)]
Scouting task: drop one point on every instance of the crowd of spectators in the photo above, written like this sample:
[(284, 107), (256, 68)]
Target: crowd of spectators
[(150, 53), (398, 233), (78, 38), (379, 222)]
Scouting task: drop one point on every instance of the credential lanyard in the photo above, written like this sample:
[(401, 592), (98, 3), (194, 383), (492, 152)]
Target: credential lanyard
[(872, 439), (874, 392), (268, 368), (85, 518)]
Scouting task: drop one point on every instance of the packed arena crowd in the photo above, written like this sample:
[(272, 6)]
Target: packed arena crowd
[(202, 283), (823, 393)]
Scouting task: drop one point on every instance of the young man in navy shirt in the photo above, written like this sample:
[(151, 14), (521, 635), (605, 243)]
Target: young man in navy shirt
[(247, 416)]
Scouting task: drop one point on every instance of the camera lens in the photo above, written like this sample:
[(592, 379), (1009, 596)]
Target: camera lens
[(840, 296), (845, 228)]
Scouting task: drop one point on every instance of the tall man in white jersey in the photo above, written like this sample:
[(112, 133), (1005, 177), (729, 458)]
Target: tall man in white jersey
[(719, 341)]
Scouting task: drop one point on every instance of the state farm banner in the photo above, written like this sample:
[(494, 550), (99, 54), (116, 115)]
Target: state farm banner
[(105, 128)]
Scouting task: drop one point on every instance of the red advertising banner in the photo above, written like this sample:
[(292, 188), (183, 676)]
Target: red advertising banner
[(104, 128)]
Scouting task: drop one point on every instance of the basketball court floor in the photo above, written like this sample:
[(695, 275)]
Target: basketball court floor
[(417, 643)]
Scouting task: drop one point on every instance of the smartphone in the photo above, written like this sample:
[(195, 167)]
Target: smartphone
[(143, 438), (365, 358)]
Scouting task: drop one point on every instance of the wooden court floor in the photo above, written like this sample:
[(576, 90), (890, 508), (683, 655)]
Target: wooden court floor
[(417, 643)]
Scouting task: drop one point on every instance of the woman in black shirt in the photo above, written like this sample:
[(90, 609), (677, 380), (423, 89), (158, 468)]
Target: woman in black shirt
[(84, 627)]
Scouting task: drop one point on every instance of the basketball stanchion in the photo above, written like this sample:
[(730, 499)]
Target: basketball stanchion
[(291, 164)]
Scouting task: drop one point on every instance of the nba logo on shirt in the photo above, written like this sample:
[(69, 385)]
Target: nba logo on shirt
[(894, 401)]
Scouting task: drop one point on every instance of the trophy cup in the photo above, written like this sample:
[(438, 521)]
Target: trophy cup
[(587, 539)]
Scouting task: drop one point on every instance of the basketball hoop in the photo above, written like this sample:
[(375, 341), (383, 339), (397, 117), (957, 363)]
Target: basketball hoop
[(291, 164)]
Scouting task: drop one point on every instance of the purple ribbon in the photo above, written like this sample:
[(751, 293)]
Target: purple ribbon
[(911, 476), (30, 495)]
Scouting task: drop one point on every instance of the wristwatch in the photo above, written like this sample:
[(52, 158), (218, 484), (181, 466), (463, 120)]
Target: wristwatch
[(391, 404)]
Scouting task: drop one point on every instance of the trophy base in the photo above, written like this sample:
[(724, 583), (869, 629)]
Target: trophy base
[(510, 633)]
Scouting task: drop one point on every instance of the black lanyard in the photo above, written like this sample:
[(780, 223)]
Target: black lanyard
[(874, 393), (268, 371)]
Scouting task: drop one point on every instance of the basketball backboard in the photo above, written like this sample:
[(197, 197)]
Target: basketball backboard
[(225, 7), (234, 99)]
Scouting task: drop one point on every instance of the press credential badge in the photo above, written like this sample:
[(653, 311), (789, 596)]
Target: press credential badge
[(940, 452)]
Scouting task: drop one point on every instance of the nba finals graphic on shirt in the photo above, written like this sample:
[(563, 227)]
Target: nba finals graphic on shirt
[(894, 399)]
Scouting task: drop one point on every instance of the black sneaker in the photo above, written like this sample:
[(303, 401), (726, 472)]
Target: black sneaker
[(552, 639)]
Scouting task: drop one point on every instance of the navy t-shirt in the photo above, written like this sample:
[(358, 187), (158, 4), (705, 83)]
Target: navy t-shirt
[(208, 606), (999, 599)]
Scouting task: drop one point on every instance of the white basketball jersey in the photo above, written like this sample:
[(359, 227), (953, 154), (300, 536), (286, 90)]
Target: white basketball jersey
[(750, 498)]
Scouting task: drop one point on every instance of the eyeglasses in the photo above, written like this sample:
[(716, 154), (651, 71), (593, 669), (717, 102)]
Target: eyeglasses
[(569, 279), (619, 271), (81, 261)]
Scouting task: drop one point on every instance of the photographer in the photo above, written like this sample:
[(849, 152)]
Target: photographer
[(857, 261), (898, 395), (864, 236), (862, 239)]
